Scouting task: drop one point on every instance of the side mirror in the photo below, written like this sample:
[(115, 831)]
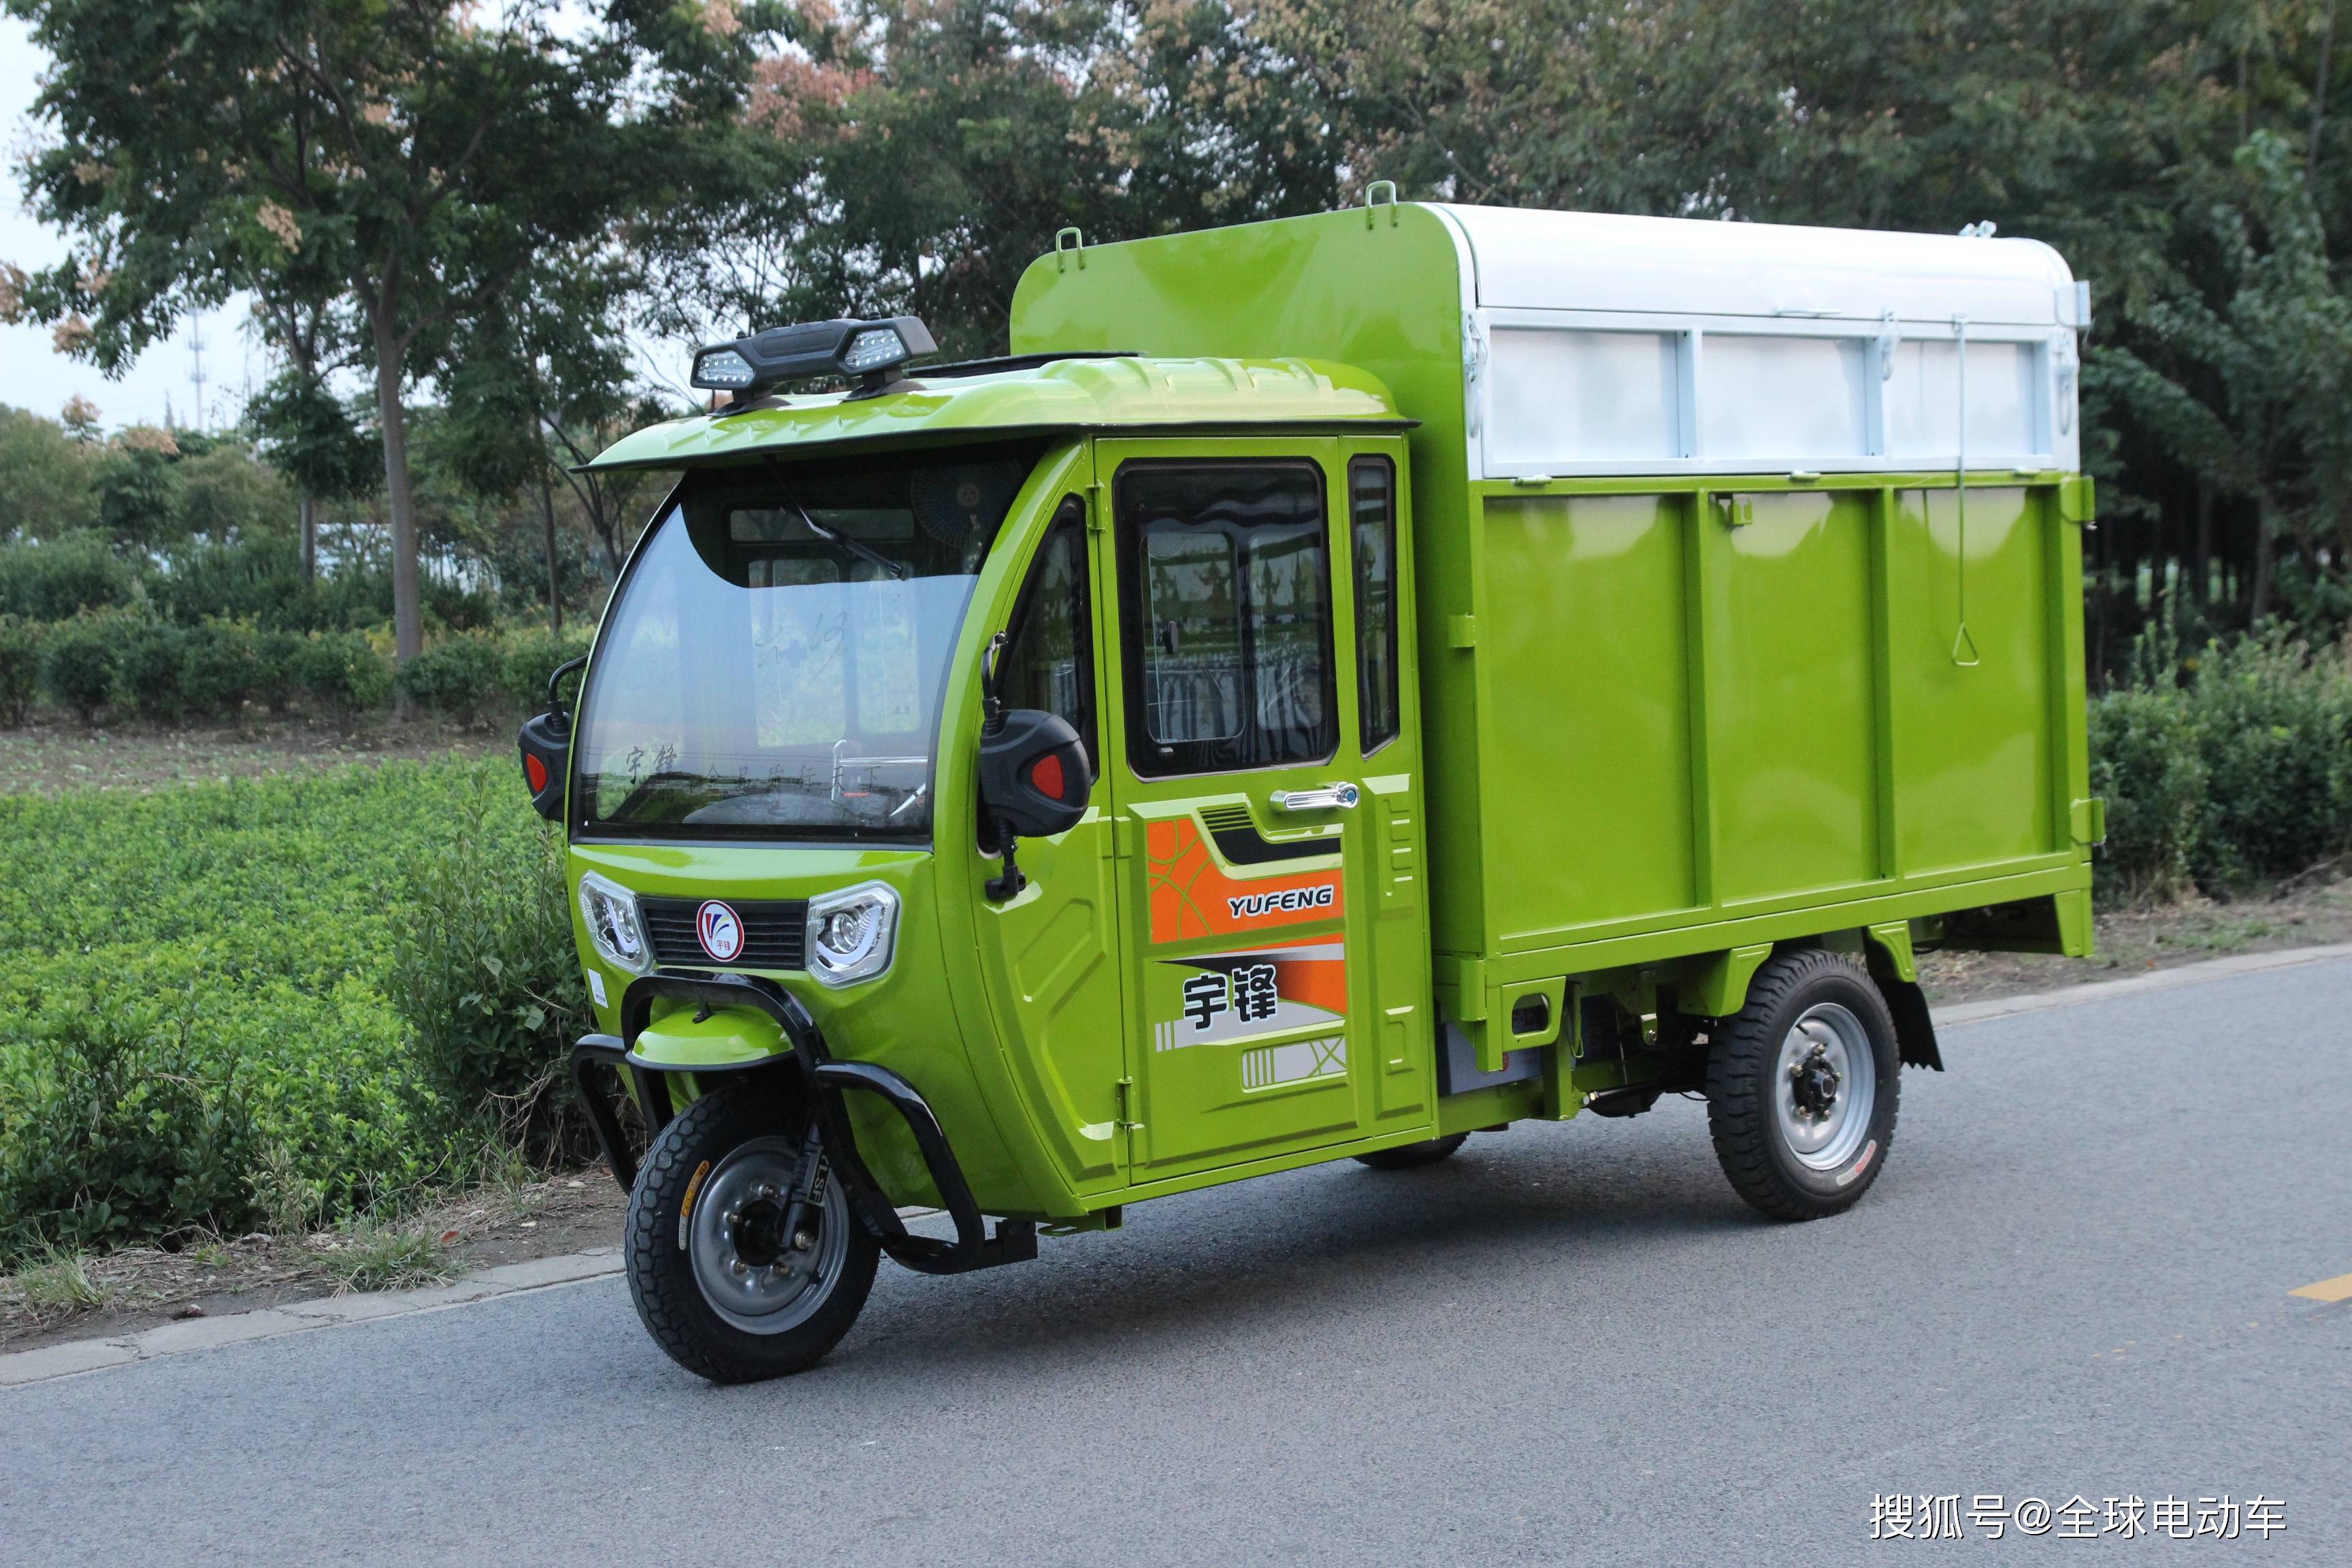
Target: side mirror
[(1033, 774), (546, 744)]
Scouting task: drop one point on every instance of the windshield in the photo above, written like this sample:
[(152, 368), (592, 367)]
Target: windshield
[(772, 665)]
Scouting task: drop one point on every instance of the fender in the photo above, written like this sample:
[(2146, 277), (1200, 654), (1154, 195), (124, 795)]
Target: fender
[(799, 1049)]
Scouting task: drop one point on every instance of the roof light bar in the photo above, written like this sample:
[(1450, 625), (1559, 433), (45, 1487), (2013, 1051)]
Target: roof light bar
[(871, 352)]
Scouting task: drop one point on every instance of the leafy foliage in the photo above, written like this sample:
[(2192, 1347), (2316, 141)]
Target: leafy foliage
[(80, 662), (55, 581), (20, 666), (489, 981), (2225, 771), (199, 1023)]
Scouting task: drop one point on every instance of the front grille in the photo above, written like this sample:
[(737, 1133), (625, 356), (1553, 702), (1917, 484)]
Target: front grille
[(775, 932)]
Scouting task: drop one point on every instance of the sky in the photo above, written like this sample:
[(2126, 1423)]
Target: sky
[(32, 374)]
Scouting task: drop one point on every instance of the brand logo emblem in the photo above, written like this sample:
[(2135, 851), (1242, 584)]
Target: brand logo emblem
[(720, 930)]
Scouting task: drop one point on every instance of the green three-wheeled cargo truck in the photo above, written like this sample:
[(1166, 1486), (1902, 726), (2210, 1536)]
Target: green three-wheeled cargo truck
[(1339, 685)]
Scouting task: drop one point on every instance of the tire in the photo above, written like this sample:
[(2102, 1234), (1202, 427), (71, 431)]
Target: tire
[(1412, 1156), (705, 1283), (1801, 1087)]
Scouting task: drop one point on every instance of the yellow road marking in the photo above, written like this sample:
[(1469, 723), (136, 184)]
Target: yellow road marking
[(2337, 1289)]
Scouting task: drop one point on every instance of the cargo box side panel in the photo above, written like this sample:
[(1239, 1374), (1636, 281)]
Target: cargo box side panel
[(1790, 699), (1974, 782), (1587, 741), (1713, 704)]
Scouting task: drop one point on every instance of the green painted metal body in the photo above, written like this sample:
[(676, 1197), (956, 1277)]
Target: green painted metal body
[(1652, 727)]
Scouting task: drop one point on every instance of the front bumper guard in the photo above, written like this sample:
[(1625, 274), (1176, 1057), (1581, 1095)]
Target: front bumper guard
[(824, 1081)]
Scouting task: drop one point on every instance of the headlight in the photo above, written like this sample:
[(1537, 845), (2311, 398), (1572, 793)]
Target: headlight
[(611, 911), (851, 934)]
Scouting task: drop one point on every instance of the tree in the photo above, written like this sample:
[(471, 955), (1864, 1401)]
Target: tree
[(2258, 396), (302, 429), (47, 486), (922, 153), (421, 156), (553, 357)]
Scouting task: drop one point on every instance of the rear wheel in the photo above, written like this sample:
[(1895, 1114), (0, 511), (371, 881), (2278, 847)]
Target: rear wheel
[(725, 1278), (1407, 1156), (1800, 1087)]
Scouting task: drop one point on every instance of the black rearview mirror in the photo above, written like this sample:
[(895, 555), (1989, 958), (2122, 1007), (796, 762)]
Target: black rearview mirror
[(1033, 773), (546, 745), (1035, 776)]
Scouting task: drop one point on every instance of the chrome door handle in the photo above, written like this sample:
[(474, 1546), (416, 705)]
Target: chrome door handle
[(1329, 798)]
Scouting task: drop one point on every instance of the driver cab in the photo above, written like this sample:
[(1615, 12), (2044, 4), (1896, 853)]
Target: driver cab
[(1164, 601)]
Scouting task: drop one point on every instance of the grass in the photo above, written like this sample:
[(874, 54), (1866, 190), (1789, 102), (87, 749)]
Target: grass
[(57, 1282), (389, 1258)]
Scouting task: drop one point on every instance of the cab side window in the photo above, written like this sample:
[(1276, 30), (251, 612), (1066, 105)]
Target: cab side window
[(1371, 510), (1224, 587), (1049, 653)]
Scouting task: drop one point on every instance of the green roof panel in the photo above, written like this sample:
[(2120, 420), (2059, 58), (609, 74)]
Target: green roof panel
[(1063, 394)]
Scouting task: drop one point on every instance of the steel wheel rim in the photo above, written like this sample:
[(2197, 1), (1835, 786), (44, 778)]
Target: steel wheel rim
[(755, 1280), (1825, 1086)]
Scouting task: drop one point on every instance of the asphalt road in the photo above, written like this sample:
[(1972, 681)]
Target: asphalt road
[(1568, 1345)]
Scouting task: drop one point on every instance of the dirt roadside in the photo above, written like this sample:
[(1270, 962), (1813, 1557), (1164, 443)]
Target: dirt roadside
[(2134, 942), (211, 1277), (51, 756)]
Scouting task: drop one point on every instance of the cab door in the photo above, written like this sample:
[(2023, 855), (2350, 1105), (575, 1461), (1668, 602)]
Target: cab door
[(1050, 955), (1251, 841)]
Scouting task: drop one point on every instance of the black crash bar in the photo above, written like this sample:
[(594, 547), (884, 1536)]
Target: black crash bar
[(828, 1081)]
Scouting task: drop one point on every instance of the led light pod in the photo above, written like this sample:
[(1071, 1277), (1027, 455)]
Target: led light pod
[(852, 933), (872, 349), (723, 369)]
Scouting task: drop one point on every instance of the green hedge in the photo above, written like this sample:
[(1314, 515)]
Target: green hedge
[(117, 662), (2224, 772), (284, 999)]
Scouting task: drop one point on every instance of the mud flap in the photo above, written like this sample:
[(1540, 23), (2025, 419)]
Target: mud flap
[(1914, 1030)]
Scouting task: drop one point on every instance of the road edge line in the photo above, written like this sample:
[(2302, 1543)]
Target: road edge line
[(2156, 980), (77, 1358)]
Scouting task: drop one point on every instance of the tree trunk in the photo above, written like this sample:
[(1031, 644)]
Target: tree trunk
[(2319, 95), (309, 512), (554, 580), (399, 496), (2203, 553), (2260, 605)]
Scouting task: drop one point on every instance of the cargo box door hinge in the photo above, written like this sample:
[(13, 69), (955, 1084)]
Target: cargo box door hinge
[(1127, 1106), (2090, 820)]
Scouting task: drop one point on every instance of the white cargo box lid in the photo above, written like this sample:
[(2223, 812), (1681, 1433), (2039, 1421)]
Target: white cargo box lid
[(1527, 259)]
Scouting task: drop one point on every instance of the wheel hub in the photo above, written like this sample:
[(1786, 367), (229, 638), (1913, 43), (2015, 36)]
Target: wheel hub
[(1813, 1083), (755, 1275), (1825, 1086)]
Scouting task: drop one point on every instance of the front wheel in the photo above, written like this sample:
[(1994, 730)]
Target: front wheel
[(724, 1278), (1800, 1087)]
